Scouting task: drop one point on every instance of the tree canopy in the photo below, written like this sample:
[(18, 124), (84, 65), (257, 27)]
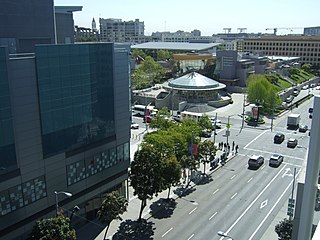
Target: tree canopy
[(207, 152), (111, 208), (205, 122), (284, 229), (57, 228)]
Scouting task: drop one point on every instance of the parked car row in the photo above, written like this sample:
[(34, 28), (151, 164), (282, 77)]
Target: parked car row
[(256, 161)]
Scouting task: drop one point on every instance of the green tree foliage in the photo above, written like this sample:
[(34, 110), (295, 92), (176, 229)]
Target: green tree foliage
[(293, 71), (262, 92), (164, 112), (87, 39), (138, 53), (163, 55), (306, 67), (111, 208), (161, 122), (162, 141), (205, 122), (171, 172), (284, 229), (149, 71), (57, 228), (207, 151), (146, 174)]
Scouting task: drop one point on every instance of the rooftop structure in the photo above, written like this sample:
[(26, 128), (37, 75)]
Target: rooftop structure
[(177, 46)]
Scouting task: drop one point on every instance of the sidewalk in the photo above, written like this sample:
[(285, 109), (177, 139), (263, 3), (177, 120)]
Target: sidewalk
[(132, 213)]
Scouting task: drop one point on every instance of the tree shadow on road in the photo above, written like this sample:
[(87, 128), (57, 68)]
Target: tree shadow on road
[(134, 230), (199, 178), (163, 208)]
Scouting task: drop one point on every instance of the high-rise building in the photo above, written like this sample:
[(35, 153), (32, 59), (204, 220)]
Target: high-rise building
[(116, 30), (311, 31), (93, 25), (64, 127)]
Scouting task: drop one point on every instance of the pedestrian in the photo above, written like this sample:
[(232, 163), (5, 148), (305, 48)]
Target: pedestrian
[(219, 145), (225, 146), (233, 146), (228, 148), (237, 147)]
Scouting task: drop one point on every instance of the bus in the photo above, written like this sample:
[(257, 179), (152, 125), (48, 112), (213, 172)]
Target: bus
[(190, 115), (141, 110)]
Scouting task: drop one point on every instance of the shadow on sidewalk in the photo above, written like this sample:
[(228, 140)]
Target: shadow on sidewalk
[(163, 208), (134, 230), (183, 191)]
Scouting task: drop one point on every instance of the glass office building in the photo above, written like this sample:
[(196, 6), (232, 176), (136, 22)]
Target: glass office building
[(76, 96), (8, 160)]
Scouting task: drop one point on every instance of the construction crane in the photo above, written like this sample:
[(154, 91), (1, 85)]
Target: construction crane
[(241, 30), (285, 28), (227, 30)]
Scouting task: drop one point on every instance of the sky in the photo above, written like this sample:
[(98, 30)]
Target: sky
[(208, 16)]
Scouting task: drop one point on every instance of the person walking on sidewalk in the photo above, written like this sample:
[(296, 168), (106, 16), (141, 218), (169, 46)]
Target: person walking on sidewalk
[(232, 145), (237, 147)]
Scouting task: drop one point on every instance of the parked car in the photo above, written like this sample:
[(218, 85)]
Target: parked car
[(292, 142), (275, 160), (134, 125), (305, 87), (295, 92), (289, 99), (255, 161), (205, 133), (216, 124), (177, 118), (279, 138), (303, 128)]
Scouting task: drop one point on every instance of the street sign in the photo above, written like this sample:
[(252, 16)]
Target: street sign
[(227, 132), (228, 125)]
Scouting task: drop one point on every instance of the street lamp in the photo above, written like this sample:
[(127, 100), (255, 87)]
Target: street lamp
[(57, 201), (223, 234)]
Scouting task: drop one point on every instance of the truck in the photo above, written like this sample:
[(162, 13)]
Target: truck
[(293, 121)]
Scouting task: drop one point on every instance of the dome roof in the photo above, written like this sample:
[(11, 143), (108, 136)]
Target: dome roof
[(195, 81)]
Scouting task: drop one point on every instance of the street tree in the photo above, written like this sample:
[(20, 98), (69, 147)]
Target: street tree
[(162, 141), (207, 151), (284, 229), (306, 67), (111, 208), (138, 53), (145, 175), (205, 122), (152, 69), (163, 55), (57, 228), (171, 172)]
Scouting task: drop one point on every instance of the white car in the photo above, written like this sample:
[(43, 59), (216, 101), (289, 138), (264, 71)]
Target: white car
[(134, 125), (216, 123)]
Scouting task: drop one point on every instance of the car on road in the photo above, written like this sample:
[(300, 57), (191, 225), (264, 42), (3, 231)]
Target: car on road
[(275, 160), (279, 138), (292, 142), (289, 99), (255, 161), (303, 128), (216, 124), (134, 125), (305, 87), (205, 133), (295, 92)]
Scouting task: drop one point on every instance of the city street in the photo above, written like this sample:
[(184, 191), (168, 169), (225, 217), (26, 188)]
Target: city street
[(237, 200)]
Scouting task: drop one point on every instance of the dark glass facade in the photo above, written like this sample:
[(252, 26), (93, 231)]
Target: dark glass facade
[(8, 160), (75, 84)]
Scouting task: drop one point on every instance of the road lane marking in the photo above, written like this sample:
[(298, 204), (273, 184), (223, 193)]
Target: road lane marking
[(234, 195), (192, 210), (250, 180), (294, 165), (253, 202), (268, 214), (286, 173), (215, 191), (232, 177), (245, 147), (264, 203), (213, 216), (167, 232), (261, 151), (191, 236)]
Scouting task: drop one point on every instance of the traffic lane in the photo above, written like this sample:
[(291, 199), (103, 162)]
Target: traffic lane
[(265, 146), (274, 196)]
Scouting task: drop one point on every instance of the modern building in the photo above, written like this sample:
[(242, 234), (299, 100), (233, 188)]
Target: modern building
[(181, 36), (311, 31), (305, 47), (64, 127), (64, 121), (16, 17), (116, 30)]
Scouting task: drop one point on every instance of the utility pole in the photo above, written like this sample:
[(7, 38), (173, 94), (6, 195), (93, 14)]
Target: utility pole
[(244, 105), (228, 130), (215, 127), (272, 115), (294, 181)]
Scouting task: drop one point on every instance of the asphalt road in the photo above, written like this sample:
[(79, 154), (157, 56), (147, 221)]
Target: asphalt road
[(236, 200)]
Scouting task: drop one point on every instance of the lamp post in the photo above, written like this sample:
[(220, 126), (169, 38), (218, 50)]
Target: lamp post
[(57, 200), (223, 234)]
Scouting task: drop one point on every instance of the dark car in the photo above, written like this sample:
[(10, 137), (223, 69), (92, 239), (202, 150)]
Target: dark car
[(289, 99), (303, 128), (295, 92), (292, 142), (255, 161), (205, 133), (275, 160), (278, 138)]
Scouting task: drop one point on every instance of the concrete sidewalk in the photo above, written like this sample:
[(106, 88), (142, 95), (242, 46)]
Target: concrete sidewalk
[(89, 231)]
